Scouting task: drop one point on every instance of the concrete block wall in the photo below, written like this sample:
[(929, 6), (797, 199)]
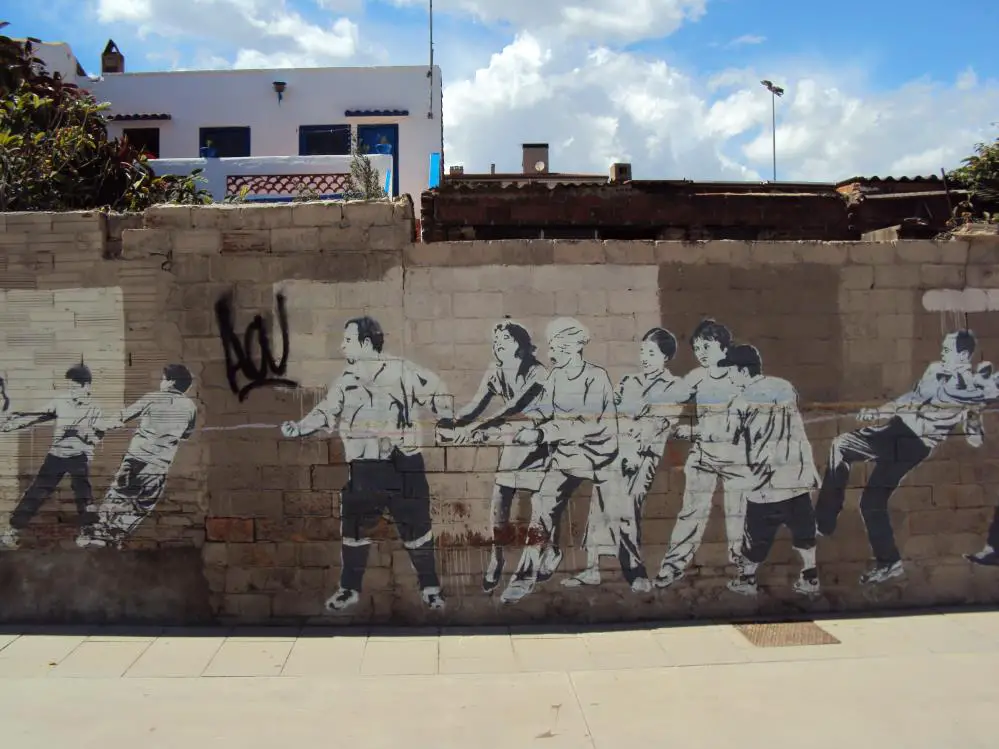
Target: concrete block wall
[(248, 525)]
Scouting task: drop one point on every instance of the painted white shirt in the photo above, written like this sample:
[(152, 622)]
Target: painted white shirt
[(939, 402), (648, 407), (580, 420), (167, 418), (777, 459), (713, 397), (376, 408), (77, 423)]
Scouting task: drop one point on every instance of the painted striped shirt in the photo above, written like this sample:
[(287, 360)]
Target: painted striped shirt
[(939, 402)]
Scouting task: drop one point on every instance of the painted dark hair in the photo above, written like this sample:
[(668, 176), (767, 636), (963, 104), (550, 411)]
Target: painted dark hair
[(525, 346), (965, 342), (711, 330), (368, 329), (665, 340), (179, 375), (80, 374)]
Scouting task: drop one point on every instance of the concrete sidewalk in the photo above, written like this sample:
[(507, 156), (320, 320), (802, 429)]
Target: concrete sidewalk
[(907, 682)]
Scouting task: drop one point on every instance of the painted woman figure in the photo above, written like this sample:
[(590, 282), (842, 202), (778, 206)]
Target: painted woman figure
[(516, 379), (649, 405)]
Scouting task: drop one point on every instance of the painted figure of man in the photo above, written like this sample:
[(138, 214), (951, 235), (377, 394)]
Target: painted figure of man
[(946, 396), (375, 402), (711, 458), (77, 431), (779, 471), (579, 426), (516, 380), (166, 418), (988, 379), (649, 404)]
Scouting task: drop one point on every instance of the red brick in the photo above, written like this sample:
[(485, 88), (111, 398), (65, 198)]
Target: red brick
[(232, 530)]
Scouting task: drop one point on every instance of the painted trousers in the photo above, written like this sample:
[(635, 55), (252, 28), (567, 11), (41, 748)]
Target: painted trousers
[(614, 523), (548, 504), (698, 491)]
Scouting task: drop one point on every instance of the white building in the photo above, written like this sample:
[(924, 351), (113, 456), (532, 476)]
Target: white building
[(288, 113)]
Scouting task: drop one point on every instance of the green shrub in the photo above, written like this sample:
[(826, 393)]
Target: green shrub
[(55, 154)]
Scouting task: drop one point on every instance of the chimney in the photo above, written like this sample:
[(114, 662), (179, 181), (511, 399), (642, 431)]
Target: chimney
[(492, 169), (535, 158), (457, 171), (112, 60), (620, 172)]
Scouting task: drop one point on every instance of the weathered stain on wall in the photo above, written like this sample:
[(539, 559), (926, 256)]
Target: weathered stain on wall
[(320, 421)]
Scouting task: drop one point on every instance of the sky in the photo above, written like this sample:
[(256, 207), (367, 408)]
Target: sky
[(873, 87)]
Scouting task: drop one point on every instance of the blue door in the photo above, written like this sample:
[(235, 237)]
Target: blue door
[(382, 139)]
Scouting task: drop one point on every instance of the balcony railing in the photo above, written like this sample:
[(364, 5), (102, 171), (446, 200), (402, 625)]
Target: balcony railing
[(275, 178)]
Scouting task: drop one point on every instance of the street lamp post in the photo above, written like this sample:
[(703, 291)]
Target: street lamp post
[(775, 91)]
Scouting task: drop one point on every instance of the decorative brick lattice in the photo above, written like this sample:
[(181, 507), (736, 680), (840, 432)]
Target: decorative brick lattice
[(286, 184)]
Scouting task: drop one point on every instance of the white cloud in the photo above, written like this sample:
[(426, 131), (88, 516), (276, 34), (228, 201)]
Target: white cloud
[(747, 39), (611, 105), (265, 33), (563, 76), (593, 20)]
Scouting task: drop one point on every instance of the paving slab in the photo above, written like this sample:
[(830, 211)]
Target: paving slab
[(249, 658), (331, 656), (400, 657), (176, 657), (36, 655), (101, 659), (443, 712)]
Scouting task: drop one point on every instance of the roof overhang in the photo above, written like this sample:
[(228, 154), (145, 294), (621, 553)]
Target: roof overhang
[(140, 117), (376, 113)]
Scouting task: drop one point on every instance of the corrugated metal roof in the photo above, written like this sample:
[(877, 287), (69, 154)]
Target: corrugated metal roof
[(376, 113), (889, 180), (140, 116)]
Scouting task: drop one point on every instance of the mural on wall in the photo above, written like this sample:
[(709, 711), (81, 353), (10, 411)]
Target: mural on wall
[(578, 425), (166, 418), (649, 405), (374, 404), (946, 397), (777, 467), (516, 379), (712, 458), (78, 429)]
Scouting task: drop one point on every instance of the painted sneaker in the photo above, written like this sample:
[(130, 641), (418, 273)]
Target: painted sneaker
[(668, 574), (8, 539), (433, 598), (987, 557), (87, 540), (744, 585), (551, 558), (807, 583), (589, 576), (494, 572), (344, 598), (517, 589), (641, 585), (882, 573)]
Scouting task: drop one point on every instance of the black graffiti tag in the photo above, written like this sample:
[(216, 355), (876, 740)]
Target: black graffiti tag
[(239, 355)]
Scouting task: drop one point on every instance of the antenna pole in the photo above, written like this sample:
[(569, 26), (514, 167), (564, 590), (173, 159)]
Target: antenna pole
[(430, 74)]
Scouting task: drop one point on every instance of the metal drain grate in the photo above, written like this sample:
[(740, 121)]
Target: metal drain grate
[(786, 634)]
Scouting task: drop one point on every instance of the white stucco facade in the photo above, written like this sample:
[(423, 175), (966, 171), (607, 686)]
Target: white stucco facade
[(311, 97)]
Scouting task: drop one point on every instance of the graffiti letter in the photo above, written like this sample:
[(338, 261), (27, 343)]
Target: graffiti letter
[(239, 354)]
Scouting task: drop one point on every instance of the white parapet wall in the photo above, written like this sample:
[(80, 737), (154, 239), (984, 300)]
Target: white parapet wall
[(274, 177)]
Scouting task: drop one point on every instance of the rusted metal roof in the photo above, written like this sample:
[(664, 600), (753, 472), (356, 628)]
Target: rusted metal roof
[(889, 180), (140, 116)]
